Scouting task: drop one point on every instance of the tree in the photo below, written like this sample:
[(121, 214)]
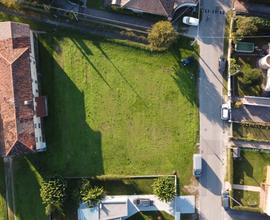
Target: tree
[(245, 26), (52, 193), (91, 195), (162, 35), (164, 188), (251, 80), (11, 3), (250, 25)]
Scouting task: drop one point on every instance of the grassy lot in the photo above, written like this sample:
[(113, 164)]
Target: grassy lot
[(247, 198), (251, 168), (112, 110), (251, 132), (3, 208), (151, 216)]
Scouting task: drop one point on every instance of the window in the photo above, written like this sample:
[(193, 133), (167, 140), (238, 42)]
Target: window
[(40, 139), (39, 125), (36, 139), (35, 125)]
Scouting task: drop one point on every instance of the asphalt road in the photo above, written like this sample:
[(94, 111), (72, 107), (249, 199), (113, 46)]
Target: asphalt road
[(213, 131), (212, 135)]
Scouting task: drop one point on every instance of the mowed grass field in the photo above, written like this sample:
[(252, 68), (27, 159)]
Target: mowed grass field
[(113, 110)]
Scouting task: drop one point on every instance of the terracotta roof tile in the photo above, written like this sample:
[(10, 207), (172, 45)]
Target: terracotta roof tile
[(158, 7), (16, 117)]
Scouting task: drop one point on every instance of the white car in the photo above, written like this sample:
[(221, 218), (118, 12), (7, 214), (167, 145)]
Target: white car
[(225, 112), (191, 21)]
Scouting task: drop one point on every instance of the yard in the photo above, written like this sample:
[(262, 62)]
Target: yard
[(250, 169), (251, 132), (247, 198), (113, 110), (151, 216)]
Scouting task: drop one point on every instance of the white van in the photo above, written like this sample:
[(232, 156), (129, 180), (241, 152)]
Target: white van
[(197, 165)]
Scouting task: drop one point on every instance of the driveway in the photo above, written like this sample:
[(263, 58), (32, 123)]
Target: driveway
[(251, 113)]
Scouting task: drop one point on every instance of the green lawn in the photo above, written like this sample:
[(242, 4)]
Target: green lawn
[(251, 168), (247, 198), (251, 132), (151, 216), (3, 208), (113, 109)]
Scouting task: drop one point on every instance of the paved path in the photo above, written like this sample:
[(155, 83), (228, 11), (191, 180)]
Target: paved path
[(251, 113), (247, 188), (10, 198), (211, 86), (252, 144)]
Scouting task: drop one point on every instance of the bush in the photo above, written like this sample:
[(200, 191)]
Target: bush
[(250, 26), (162, 35), (251, 80), (52, 193), (91, 195), (164, 188)]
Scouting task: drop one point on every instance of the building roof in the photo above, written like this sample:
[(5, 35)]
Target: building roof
[(16, 98), (158, 7)]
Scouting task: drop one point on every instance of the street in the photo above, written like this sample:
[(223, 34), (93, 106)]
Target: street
[(212, 147), (213, 131)]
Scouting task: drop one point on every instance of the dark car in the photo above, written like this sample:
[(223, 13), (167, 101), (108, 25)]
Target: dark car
[(222, 62), (187, 61), (225, 200)]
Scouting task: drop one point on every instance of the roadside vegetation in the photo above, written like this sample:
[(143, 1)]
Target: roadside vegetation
[(110, 107)]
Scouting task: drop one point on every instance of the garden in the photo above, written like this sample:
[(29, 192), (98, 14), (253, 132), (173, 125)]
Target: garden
[(248, 169), (114, 109), (251, 131), (247, 77)]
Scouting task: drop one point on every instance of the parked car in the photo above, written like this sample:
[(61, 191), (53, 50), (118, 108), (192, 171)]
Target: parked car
[(222, 63), (225, 200), (197, 165), (225, 112), (143, 202), (191, 21), (187, 61)]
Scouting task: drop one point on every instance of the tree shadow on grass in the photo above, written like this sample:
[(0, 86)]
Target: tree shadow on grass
[(86, 52)]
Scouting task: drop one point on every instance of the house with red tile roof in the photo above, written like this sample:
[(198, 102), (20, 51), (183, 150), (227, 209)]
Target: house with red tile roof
[(165, 8), (21, 107)]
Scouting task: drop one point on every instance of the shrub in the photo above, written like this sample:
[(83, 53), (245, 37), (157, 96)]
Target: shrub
[(91, 195), (162, 35), (251, 80), (164, 188), (52, 193), (250, 25)]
